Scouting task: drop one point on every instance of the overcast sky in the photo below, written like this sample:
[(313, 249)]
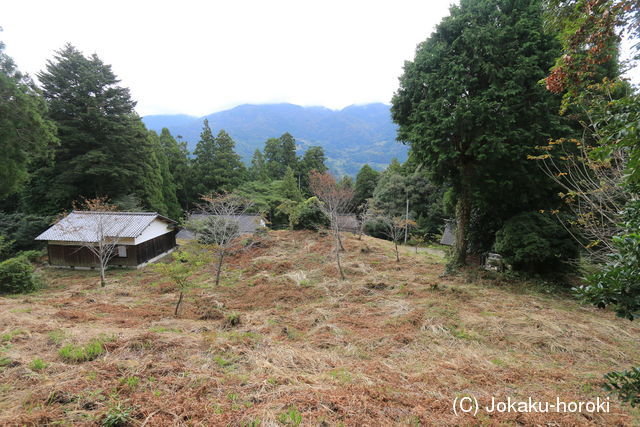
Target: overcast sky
[(198, 57)]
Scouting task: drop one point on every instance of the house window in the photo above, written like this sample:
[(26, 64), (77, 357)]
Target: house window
[(122, 251)]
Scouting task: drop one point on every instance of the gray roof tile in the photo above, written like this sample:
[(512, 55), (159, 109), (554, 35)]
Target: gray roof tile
[(83, 226)]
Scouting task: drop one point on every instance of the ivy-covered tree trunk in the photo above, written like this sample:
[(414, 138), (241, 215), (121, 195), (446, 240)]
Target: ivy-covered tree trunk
[(463, 216)]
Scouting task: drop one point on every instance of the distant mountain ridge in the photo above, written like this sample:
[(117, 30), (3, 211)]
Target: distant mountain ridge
[(351, 137)]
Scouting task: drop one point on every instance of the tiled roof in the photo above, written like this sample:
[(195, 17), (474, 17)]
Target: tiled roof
[(84, 226)]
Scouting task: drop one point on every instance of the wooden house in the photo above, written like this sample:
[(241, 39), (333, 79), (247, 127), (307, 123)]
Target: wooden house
[(141, 237), (349, 223), (247, 223)]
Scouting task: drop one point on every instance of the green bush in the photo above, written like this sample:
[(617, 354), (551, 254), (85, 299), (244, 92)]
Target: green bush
[(6, 248), (376, 228), (535, 243), (310, 216), (617, 283), (17, 276)]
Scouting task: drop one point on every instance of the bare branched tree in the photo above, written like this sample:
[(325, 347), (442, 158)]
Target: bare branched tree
[(336, 200), (591, 189), (394, 227), (221, 224), (364, 217), (96, 228)]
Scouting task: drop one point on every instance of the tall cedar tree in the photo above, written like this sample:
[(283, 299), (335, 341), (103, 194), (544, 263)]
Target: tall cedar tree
[(216, 167), (203, 179), (227, 165), (279, 154), (289, 187), (169, 190), (366, 181), (104, 148), (258, 170), (178, 158), (25, 132), (313, 159), (472, 109)]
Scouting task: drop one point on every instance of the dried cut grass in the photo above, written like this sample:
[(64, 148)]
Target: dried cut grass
[(391, 345)]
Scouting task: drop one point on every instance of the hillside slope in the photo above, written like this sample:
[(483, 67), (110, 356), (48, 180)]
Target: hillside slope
[(351, 137), (283, 339)]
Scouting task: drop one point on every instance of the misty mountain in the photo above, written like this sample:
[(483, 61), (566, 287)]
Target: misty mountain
[(351, 137)]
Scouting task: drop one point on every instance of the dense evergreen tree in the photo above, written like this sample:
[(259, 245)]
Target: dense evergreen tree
[(366, 182), (177, 156), (258, 170), (313, 159), (25, 131), (279, 154), (289, 189), (104, 148), (203, 178), (400, 184), (169, 190), (472, 109), (227, 166), (216, 167)]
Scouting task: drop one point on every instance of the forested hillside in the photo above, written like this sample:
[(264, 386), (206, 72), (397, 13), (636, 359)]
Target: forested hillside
[(351, 137)]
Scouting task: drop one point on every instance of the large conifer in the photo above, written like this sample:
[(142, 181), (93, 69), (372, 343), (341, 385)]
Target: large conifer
[(472, 108), (104, 148)]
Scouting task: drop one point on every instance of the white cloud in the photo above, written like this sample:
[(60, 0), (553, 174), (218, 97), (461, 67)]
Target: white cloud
[(198, 57)]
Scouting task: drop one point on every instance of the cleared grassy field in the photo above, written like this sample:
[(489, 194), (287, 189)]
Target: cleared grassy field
[(283, 341)]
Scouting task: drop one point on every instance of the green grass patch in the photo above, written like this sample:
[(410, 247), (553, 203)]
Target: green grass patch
[(38, 365), (161, 329), (82, 353), (290, 417), (341, 375), (56, 336), (9, 336)]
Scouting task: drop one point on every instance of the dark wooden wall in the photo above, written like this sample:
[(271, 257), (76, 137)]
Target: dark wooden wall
[(78, 256), (154, 247)]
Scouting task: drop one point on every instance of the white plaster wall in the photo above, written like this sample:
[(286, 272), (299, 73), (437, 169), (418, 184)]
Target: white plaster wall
[(155, 229)]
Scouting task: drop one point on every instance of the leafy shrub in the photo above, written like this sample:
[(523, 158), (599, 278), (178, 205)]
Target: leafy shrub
[(310, 216), (6, 247), (78, 354), (617, 283), (376, 227), (117, 415), (17, 276), (535, 243), (626, 384)]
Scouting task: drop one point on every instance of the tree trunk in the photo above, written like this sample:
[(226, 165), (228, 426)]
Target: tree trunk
[(338, 245), (406, 224), (397, 256), (463, 217), (175, 313), (338, 260), (339, 239), (103, 280), (219, 268)]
